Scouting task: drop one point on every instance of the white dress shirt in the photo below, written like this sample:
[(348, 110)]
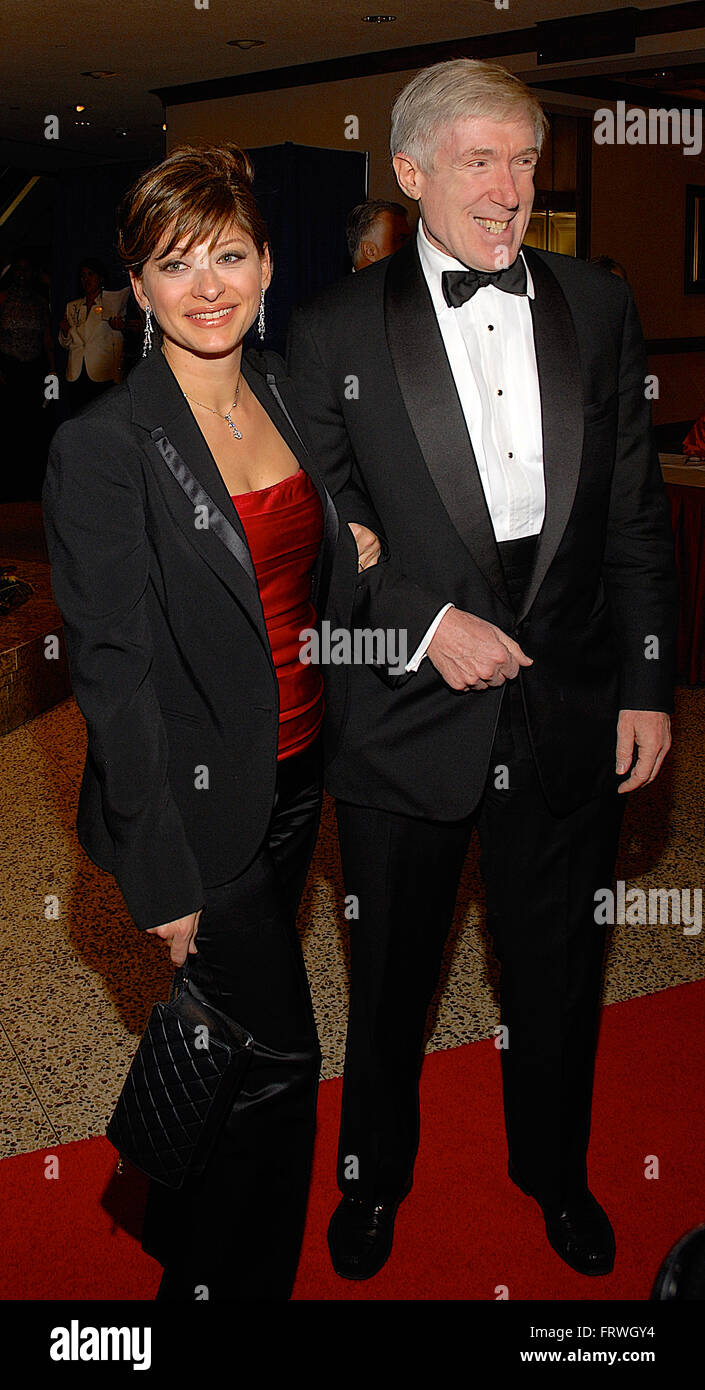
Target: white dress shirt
[(489, 342)]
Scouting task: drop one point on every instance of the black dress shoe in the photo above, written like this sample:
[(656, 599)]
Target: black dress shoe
[(360, 1235), (578, 1230)]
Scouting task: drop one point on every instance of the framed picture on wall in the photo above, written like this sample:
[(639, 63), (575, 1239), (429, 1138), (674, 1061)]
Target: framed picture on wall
[(695, 238)]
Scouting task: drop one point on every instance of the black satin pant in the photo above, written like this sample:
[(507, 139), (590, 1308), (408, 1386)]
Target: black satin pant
[(235, 1231)]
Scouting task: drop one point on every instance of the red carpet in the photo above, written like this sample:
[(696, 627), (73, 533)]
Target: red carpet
[(464, 1231)]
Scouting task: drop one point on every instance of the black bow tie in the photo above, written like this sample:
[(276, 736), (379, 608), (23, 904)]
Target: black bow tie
[(459, 285)]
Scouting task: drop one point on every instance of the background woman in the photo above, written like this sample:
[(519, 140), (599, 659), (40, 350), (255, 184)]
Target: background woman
[(91, 331), (191, 541)]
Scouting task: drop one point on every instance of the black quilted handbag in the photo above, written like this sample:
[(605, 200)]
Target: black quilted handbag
[(185, 1075)]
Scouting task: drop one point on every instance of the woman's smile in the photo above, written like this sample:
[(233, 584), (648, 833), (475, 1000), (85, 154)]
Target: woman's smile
[(211, 318)]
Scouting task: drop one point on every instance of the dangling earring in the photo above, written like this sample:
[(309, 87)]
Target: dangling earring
[(260, 318), (147, 343)]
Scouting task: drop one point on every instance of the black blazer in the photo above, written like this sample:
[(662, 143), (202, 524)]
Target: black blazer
[(371, 371), (165, 636)]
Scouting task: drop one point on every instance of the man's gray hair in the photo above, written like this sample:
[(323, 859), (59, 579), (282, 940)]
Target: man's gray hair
[(363, 217), (448, 92)]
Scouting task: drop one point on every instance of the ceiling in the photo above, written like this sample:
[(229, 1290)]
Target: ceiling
[(46, 46)]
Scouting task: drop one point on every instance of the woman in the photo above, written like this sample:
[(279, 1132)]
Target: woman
[(91, 331), (191, 541)]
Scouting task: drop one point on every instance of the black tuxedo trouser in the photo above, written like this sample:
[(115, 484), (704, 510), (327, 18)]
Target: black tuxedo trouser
[(540, 874), (236, 1230)]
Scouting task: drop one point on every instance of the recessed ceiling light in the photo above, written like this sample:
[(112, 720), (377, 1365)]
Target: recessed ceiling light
[(378, 18), (98, 72), (244, 44)]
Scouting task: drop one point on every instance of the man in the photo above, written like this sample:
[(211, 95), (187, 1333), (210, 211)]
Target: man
[(607, 263), (92, 333), (374, 230), (489, 406)]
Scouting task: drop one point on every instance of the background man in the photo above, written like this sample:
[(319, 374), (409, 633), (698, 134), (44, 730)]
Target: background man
[(375, 229), (489, 403)]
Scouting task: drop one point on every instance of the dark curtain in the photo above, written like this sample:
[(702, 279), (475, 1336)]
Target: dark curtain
[(305, 195), (85, 224)]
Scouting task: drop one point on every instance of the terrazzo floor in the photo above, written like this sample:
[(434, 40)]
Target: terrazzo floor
[(77, 987)]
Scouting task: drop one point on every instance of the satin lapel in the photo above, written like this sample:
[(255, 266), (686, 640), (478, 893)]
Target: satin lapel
[(433, 406), (201, 500), (176, 447), (561, 389), (276, 398)]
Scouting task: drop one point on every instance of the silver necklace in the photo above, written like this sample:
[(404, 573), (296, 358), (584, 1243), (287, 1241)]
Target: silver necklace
[(233, 426)]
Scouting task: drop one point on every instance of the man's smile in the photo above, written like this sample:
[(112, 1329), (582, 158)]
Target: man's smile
[(492, 225)]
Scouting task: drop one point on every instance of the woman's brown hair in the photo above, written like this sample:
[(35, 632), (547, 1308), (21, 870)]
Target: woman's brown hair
[(198, 191)]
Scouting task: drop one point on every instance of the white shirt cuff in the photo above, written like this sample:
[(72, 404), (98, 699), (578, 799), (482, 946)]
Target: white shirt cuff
[(419, 654)]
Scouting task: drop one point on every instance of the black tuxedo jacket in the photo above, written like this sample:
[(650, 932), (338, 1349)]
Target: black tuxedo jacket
[(599, 615), (167, 646)]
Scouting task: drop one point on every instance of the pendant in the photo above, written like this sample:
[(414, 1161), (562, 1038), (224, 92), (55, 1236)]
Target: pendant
[(233, 427)]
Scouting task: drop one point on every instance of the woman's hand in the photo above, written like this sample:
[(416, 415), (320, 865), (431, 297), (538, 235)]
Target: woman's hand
[(181, 935), (368, 545), (65, 327)]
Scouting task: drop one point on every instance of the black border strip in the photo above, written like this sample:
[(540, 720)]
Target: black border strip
[(603, 87), (358, 65), (671, 19)]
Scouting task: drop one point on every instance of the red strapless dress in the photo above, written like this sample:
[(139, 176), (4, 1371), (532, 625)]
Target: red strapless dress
[(284, 524)]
